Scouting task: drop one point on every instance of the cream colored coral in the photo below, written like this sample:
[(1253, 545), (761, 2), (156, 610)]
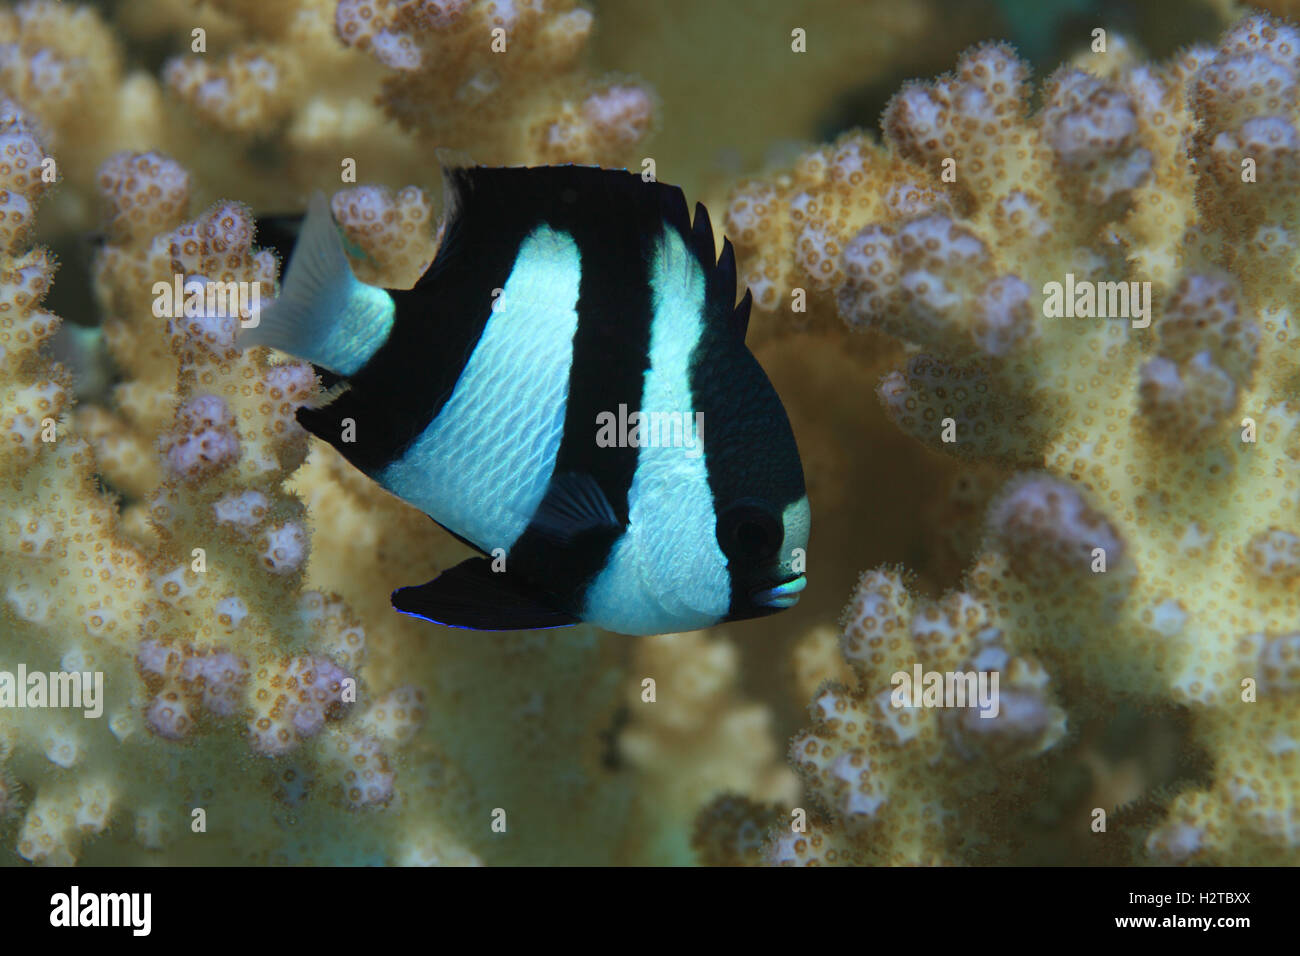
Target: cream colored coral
[(393, 231), (895, 780), (62, 62), (204, 633), (1146, 555), (692, 733), (378, 85), (469, 72), (248, 91), (1133, 440)]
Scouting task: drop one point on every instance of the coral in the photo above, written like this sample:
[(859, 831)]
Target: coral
[(205, 634), (235, 682), (730, 831), (393, 233), (247, 90), (888, 771), (1145, 554), (693, 736), (377, 84), (65, 67), (466, 73), (739, 92)]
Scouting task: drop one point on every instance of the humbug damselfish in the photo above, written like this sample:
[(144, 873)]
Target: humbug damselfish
[(499, 395)]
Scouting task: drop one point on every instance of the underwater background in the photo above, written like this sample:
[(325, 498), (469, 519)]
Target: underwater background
[(1105, 512)]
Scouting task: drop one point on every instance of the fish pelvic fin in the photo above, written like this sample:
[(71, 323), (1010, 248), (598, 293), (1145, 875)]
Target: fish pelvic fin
[(324, 314)]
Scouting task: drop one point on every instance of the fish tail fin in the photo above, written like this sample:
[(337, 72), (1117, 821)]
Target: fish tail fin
[(324, 313)]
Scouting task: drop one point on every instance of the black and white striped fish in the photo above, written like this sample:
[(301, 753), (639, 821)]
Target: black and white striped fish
[(566, 389)]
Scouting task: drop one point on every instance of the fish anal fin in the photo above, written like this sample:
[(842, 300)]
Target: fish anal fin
[(472, 595)]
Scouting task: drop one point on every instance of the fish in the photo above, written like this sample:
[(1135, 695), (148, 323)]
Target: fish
[(567, 390)]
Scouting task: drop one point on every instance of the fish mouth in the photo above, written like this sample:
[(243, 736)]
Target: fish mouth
[(782, 595)]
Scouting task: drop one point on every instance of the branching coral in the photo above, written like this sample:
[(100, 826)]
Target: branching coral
[(887, 773), (692, 736), (201, 625), (65, 67), (1149, 558), (376, 84), (465, 72)]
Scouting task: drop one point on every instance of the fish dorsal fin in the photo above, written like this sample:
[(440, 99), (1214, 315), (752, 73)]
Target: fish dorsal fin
[(514, 195), (740, 316), (574, 504), (702, 238), (472, 595), (725, 277), (727, 267), (721, 276)]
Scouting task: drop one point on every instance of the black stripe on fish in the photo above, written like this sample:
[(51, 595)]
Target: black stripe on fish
[(741, 409)]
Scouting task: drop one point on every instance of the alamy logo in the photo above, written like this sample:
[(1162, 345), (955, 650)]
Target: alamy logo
[(192, 298), (651, 430), (76, 689), (1085, 299), (923, 688), (102, 909)]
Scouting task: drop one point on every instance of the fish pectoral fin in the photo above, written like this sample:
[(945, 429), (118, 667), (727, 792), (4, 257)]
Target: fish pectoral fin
[(472, 595), (574, 504)]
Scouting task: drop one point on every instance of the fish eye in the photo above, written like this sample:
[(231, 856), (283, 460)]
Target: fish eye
[(749, 532)]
